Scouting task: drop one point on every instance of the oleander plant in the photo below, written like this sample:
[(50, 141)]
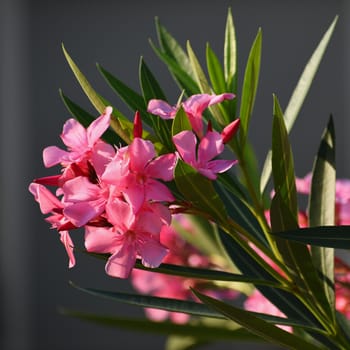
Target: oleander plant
[(172, 198)]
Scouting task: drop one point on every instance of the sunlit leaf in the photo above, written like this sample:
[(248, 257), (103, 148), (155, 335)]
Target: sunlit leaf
[(204, 84), (250, 85), (181, 122), (299, 94), (322, 208), (185, 81)]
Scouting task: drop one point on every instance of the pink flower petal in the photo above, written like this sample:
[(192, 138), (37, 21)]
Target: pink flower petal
[(120, 214), (98, 127), (148, 222), (81, 213), (162, 167), (156, 191), (80, 189), (185, 143), (161, 108), (209, 147), (221, 165), (122, 261), (53, 155), (101, 239), (47, 201), (141, 152), (68, 244), (74, 135), (152, 253)]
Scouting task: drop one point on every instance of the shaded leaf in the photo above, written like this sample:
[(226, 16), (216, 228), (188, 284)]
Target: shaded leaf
[(322, 236), (256, 325), (199, 191)]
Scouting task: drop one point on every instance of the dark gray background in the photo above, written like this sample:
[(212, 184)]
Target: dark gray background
[(33, 265)]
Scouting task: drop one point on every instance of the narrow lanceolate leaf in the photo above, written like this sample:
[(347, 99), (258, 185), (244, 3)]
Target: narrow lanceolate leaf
[(215, 71), (230, 51), (204, 84), (180, 122), (185, 81), (230, 61), (322, 236), (89, 91), (149, 85), (299, 94), (322, 208), (250, 85), (256, 325), (217, 79), (173, 49), (131, 98), (200, 192), (96, 100), (284, 214), (282, 161), (200, 331)]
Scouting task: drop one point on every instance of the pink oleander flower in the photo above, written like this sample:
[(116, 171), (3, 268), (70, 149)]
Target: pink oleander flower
[(210, 146), (49, 204), (84, 147), (130, 236), (136, 170), (194, 107), (161, 285)]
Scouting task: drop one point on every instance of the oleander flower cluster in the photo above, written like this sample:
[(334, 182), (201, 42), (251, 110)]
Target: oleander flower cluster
[(172, 197), (118, 194)]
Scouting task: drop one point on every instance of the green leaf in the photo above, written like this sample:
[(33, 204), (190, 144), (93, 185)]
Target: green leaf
[(131, 98), (282, 163), (85, 119), (181, 122), (185, 81), (117, 122), (250, 85), (171, 48), (284, 301), (299, 94), (204, 84), (149, 85), (322, 208), (89, 91), (199, 191), (257, 325), (322, 236), (230, 61), (201, 331), (230, 51), (215, 71)]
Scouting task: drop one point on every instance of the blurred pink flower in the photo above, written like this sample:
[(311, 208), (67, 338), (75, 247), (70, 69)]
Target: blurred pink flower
[(209, 147), (256, 302), (162, 285)]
